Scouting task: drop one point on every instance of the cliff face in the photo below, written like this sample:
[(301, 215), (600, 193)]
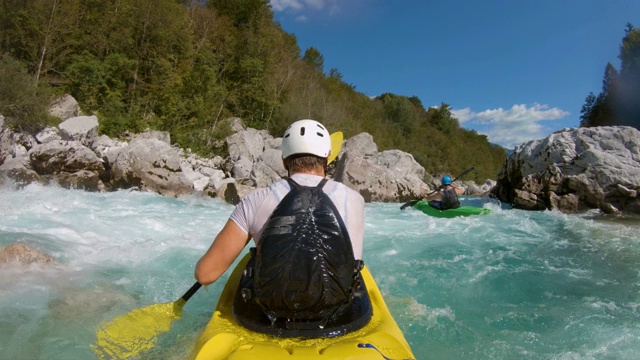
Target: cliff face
[(574, 170)]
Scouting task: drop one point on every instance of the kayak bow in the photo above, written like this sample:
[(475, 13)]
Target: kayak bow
[(224, 338)]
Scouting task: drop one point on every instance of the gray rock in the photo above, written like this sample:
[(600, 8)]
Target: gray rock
[(107, 148), (65, 107), (273, 159), (82, 180), (242, 170), (262, 175), (48, 134), (23, 254), (248, 144), (150, 165), (64, 156), (390, 176), (79, 128), (163, 136), (574, 170), (97, 300), (361, 143), (17, 171)]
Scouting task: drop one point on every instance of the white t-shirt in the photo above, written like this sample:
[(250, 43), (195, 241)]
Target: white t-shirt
[(254, 210)]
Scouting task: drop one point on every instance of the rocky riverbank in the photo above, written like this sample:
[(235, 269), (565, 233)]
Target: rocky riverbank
[(74, 155), (572, 170)]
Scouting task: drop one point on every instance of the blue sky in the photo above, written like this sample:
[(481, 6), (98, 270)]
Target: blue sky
[(514, 70)]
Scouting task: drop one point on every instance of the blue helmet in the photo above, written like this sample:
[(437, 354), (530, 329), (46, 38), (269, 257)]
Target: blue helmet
[(446, 180)]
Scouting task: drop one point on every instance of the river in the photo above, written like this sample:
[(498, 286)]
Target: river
[(509, 285)]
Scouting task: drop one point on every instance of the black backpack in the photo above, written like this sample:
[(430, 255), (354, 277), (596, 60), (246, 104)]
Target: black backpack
[(449, 199), (304, 263)]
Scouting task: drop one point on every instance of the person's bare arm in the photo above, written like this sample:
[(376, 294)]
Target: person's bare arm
[(435, 196), (223, 251)]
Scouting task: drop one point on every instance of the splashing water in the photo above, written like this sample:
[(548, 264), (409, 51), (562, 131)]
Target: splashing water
[(508, 285)]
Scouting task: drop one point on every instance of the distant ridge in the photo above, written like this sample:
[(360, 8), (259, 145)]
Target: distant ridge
[(508, 151)]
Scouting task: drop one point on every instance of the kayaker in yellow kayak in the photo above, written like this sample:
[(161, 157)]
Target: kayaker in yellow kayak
[(447, 194), (302, 293), (303, 274)]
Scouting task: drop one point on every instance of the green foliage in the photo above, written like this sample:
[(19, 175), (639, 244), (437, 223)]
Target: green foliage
[(314, 58), (99, 84), (21, 102), (185, 66), (442, 118), (119, 124), (596, 111), (400, 112), (335, 74), (618, 103), (241, 12)]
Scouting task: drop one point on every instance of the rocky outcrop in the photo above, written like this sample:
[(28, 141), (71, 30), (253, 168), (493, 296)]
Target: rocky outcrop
[(389, 176), (150, 165), (574, 170), (68, 163), (75, 156)]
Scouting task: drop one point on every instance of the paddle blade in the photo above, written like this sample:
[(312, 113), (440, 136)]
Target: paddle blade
[(409, 203), (336, 145), (136, 331)]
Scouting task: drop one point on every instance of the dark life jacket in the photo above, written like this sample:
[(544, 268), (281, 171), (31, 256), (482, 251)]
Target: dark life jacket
[(449, 200), (304, 262)]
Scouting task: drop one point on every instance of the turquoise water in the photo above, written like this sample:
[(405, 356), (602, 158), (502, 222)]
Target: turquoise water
[(509, 285)]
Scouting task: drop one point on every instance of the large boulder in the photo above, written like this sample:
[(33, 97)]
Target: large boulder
[(18, 171), (23, 254), (60, 156), (69, 164), (79, 128), (389, 176), (248, 144), (273, 159), (107, 148), (150, 165), (65, 107), (6, 144), (49, 133), (14, 144), (574, 170)]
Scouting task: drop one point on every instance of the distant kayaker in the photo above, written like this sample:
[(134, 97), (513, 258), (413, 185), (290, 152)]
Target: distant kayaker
[(306, 243), (447, 195)]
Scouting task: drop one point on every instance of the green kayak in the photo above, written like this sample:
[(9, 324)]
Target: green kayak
[(423, 205)]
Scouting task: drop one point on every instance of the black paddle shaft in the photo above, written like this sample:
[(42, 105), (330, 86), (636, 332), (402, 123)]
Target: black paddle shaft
[(464, 173), (191, 291)]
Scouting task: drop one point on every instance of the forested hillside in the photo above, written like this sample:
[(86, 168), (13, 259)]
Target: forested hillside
[(183, 66), (619, 101)]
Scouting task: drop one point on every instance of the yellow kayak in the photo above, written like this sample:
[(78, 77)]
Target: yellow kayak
[(224, 338)]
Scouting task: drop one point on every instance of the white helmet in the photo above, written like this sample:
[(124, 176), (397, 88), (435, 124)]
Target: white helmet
[(306, 137)]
